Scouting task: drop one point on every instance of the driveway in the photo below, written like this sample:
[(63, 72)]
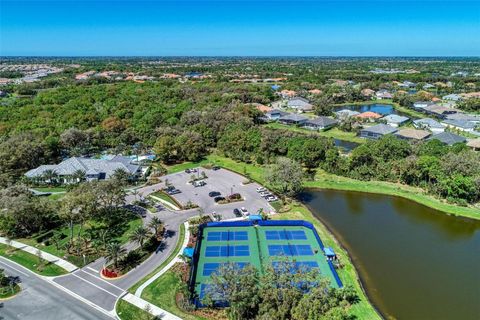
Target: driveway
[(42, 300)]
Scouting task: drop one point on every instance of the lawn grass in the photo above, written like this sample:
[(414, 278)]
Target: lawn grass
[(162, 293), (334, 133), (31, 261), (175, 252), (185, 165), (127, 311), (7, 292), (348, 274), (61, 251), (170, 202)]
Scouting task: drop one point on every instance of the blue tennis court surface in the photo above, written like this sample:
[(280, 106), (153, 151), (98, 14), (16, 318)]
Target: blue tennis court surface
[(285, 235), (296, 266), (209, 268), (227, 251), (227, 236), (290, 250)]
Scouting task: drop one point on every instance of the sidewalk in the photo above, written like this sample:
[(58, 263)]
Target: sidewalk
[(140, 289), (144, 305), (47, 256)]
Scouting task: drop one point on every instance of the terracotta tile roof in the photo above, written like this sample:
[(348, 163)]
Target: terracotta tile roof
[(368, 115)]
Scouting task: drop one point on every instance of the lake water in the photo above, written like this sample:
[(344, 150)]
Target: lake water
[(415, 262), (346, 146)]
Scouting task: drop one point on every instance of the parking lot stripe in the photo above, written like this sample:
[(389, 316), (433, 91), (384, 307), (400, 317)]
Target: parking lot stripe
[(93, 284)]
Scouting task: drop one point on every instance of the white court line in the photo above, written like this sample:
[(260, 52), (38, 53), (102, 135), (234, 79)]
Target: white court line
[(9, 266), (93, 284), (103, 280)]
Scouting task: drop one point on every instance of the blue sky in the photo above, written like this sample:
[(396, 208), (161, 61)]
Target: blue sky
[(237, 28)]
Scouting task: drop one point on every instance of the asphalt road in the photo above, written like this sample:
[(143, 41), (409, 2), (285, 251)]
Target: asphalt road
[(40, 300)]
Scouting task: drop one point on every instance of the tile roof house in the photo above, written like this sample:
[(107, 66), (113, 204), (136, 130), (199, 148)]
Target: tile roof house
[(320, 123), (429, 124), (383, 94), (368, 115), (395, 120), (95, 169), (287, 93), (367, 92), (293, 118), (300, 104), (460, 125), (377, 131), (448, 138), (474, 144), (346, 113), (412, 134), (275, 114)]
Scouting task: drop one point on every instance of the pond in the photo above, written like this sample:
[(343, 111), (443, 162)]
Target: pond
[(383, 109), (346, 146), (414, 262)]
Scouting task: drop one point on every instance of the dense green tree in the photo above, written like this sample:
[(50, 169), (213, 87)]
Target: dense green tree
[(285, 177)]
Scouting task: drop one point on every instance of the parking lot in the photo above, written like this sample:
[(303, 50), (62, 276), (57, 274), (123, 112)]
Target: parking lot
[(223, 181)]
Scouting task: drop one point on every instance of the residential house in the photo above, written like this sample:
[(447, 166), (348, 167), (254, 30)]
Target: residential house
[(406, 84), (474, 144), (320, 123), (465, 117), (428, 86), (94, 169), (260, 107), (275, 114), (383, 94), (452, 97), (285, 94), (439, 111), (346, 113), (448, 138), (429, 124), (300, 104), (412, 134), (395, 120), (369, 93), (377, 131), (368, 115), (461, 125), (421, 105), (293, 118), (315, 91)]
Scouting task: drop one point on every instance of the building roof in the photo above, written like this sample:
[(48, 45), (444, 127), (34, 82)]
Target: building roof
[(440, 109), (347, 113), (293, 117), (276, 111), (475, 143), (431, 123), (413, 134), (299, 102), (463, 116), (321, 121), (381, 129), (448, 138), (453, 96), (368, 114), (395, 118), (87, 165), (460, 124)]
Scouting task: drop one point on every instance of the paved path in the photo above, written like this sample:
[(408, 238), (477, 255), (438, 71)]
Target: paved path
[(153, 309), (47, 256), (40, 299)]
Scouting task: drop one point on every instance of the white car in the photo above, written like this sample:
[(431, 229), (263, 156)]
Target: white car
[(271, 198), (261, 189), (244, 211)]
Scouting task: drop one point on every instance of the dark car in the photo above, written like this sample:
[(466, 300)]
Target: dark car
[(173, 191), (237, 212), (218, 199), (215, 168), (213, 194)]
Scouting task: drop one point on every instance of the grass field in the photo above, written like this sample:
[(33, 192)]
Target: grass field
[(127, 311), (334, 133), (31, 261), (171, 203), (51, 189)]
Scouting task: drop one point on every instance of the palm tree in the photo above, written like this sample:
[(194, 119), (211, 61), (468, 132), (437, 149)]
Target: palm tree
[(50, 176), (115, 252), (156, 224), (79, 175), (139, 235)]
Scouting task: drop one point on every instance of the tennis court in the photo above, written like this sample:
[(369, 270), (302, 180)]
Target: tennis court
[(259, 244)]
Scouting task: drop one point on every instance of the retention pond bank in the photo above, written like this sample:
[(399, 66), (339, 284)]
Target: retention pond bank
[(415, 262)]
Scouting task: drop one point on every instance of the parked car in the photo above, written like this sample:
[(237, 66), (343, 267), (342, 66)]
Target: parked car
[(213, 194), (218, 199), (271, 198), (199, 183), (237, 213), (190, 170), (244, 211), (235, 196), (173, 191), (261, 189), (215, 168), (169, 188), (265, 194)]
